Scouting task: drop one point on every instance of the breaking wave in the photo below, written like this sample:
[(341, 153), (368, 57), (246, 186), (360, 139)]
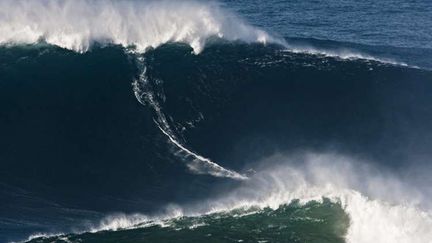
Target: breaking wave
[(139, 25), (375, 205), (77, 25), (234, 89)]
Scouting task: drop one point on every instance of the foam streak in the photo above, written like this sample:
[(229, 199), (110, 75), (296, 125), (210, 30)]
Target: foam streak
[(202, 164), (146, 93)]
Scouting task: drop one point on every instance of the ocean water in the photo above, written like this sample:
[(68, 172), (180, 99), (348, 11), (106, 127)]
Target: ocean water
[(216, 121)]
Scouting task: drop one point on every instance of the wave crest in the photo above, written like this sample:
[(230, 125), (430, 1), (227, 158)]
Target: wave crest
[(77, 24), (375, 203)]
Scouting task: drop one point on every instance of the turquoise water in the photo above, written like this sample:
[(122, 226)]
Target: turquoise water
[(313, 222)]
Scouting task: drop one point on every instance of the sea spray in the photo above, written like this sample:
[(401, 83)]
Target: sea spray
[(78, 24)]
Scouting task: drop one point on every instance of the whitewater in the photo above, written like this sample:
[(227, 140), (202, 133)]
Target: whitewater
[(77, 25), (140, 25), (382, 208)]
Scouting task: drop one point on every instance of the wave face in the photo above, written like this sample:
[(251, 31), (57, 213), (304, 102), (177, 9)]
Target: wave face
[(145, 121)]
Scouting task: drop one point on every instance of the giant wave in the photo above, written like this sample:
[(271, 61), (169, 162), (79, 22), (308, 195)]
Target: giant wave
[(76, 25), (233, 89)]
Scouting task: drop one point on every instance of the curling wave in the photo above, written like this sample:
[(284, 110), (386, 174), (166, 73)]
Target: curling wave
[(296, 189), (231, 93), (139, 25)]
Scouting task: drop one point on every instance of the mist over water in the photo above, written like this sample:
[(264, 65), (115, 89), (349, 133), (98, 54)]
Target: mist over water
[(378, 204), (76, 25), (144, 121)]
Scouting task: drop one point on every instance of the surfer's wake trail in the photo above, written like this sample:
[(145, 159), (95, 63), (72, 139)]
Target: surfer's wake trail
[(307, 143)]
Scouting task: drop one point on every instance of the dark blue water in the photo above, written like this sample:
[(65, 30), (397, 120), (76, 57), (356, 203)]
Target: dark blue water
[(394, 28), (84, 136), (385, 23)]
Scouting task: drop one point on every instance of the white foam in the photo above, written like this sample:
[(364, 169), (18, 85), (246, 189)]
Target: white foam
[(357, 188), (77, 24), (147, 95), (381, 208), (344, 54), (388, 218), (39, 236), (202, 165)]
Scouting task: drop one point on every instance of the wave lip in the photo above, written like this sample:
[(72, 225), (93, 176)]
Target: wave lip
[(77, 24)]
